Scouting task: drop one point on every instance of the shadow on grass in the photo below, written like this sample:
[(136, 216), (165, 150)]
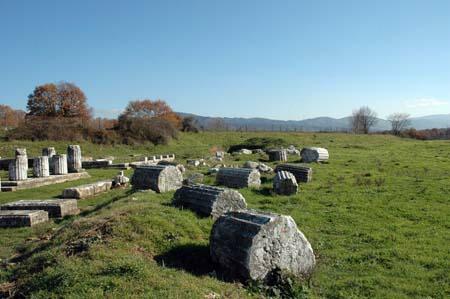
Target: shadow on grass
[(107, 203), (265, 191), (192, 258)]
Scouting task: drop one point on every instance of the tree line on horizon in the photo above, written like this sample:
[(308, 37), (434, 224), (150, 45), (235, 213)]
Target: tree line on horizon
[(59, 111)]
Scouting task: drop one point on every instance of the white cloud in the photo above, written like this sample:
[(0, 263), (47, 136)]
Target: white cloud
[(426, 103)]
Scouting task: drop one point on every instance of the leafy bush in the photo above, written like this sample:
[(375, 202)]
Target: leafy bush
[(48, 128), (138, 130)]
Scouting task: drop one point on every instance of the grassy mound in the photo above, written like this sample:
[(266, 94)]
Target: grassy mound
[(376, 216)]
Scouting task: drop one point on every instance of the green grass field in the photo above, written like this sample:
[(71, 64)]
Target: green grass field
[(377, 216)]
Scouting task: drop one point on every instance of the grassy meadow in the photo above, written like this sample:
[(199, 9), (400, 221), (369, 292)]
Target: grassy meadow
[(377, 216)]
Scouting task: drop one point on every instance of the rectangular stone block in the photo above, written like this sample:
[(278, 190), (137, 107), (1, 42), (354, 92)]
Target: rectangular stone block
[(20, 218), (87, 190), (56, 208), (38, 182)]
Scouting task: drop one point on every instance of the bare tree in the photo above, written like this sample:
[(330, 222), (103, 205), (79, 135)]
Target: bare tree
[(217, 124), (399, 122), (363, 119)]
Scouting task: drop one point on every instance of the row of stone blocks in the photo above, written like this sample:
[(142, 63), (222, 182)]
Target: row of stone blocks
[(48, 163), (32, 212)]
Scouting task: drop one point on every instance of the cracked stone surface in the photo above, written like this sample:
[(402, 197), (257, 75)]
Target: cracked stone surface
[(209, 200), (250, 245)]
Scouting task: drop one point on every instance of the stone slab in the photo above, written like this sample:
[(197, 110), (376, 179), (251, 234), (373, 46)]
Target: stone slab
[(56, 208), (38, 182), (87, 190), (20, 218)]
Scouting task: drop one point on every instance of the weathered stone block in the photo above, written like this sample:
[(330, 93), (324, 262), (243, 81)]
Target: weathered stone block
[(238, 177), (159, 178), (250, 245), (99, 163), (19, 218), (284, 183), (87, 190), (56, 208), (209, 200)]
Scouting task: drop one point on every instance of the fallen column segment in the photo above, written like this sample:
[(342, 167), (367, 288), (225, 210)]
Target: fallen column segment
[(301, 173), (209, 200), (238, 177)]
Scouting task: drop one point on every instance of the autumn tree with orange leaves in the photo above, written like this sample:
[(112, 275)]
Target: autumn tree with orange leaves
[(147, 120), (151, 109), (10, 118), (58, 100)]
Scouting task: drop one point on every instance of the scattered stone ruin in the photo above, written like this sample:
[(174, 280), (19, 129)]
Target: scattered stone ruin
[(19, 218), (261, 167), (56, 208), (87, 190), (277, 155), (74, 158), (159, 178), (250, 245), (314, 154), (284, 183), (209, 200), (153, 160), (120, 180), (41, 168), (238, 177), (301, 173)]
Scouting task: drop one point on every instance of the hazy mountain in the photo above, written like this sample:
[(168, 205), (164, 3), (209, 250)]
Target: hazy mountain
[(312, 124)]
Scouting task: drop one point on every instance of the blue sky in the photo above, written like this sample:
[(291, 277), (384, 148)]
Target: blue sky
[(276, 59)]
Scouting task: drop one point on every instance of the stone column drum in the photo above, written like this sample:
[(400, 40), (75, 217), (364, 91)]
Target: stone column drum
[(49, 152), (18, 168), (41, 167), (277, 155), (74, 158), (59, 164)]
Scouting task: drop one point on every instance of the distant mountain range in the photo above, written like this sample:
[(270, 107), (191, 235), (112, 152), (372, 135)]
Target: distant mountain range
[(312, 124)]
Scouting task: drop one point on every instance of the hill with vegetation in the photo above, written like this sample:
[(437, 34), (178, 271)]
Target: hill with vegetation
[(376, 216)]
